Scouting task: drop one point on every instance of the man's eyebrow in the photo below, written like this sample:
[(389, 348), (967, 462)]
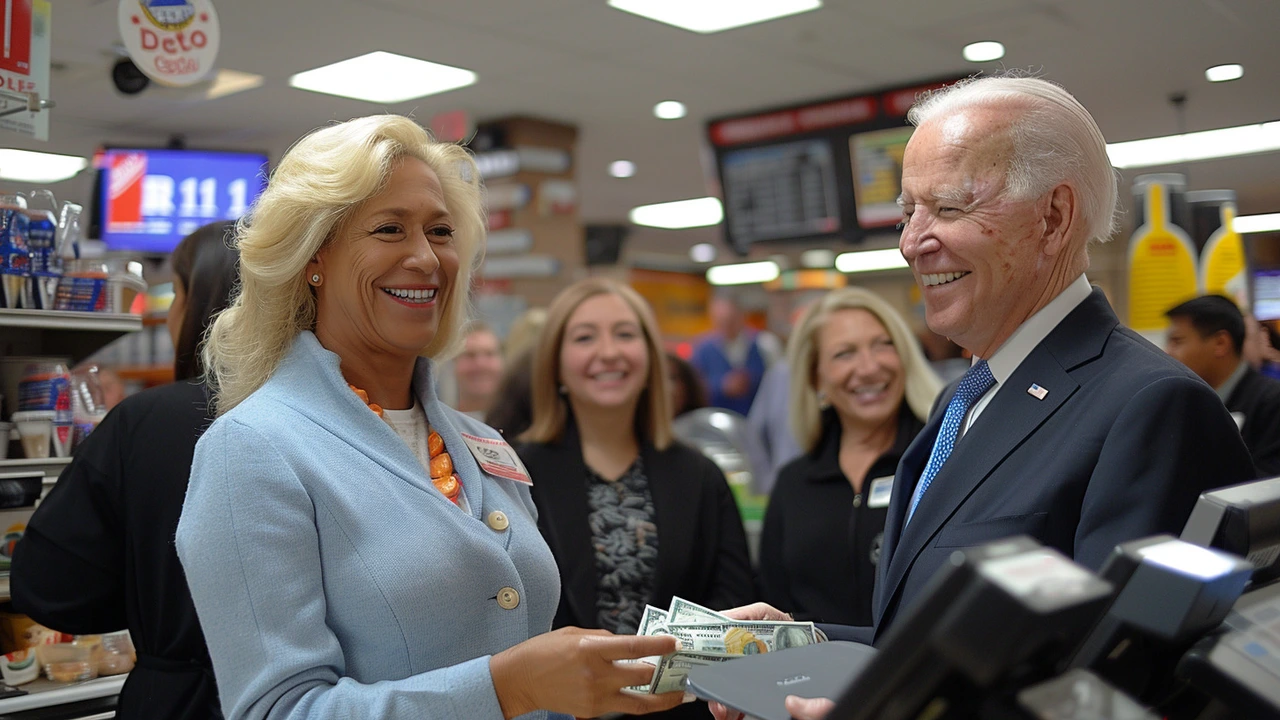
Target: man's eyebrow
[(947, 194)]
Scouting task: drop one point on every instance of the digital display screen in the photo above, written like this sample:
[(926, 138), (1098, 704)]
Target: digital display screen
[(151, 199), (781, 191)]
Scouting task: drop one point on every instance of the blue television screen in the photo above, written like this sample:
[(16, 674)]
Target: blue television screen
[(150, 199)]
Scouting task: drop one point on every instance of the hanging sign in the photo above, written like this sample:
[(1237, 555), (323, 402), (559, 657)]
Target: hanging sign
[(24, 63), (1223, 255), (175, 42), (1162, 265)]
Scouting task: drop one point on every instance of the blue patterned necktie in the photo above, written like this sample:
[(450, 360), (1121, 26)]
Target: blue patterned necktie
[(977, 381)]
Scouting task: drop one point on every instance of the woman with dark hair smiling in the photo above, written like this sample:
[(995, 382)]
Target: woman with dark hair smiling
[(98, 554)]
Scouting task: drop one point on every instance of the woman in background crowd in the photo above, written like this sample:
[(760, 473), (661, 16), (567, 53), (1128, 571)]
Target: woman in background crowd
[(861, 390), (355, 548), (522, 336), (632, 516), (478, 370), (687, 393), (98, 553)]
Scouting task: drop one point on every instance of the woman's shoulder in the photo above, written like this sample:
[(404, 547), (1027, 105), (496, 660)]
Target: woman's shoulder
[(687, 458)]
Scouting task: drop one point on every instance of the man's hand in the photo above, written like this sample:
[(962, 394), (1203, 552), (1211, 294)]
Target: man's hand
[(757, 611), (736, 383), (800, 709)]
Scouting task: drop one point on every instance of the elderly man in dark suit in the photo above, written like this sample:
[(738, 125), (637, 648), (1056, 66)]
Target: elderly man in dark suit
[(1068, 427)]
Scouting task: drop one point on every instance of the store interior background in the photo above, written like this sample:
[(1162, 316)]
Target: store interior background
[(583, 64)]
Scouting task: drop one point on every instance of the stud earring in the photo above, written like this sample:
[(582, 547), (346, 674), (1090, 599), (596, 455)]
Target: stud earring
[(823, 402), (315, 279)]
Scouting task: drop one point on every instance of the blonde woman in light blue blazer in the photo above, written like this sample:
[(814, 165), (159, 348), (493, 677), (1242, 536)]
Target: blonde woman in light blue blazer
[(355, 548)]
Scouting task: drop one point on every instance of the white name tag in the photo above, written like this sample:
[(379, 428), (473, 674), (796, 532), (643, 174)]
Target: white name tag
[(497, 458), (881, 490)]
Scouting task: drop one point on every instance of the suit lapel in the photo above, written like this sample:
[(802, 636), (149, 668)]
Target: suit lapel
[(676, 507), (560, 482), (1008, 420)]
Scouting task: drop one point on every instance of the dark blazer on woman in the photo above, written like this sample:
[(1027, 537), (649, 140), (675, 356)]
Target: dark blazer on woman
[(98, 554), (821, 541), (702, 549)]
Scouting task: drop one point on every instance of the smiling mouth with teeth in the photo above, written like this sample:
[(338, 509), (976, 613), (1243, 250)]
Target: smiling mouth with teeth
[(871, 389), (930, 280), (411, 296)]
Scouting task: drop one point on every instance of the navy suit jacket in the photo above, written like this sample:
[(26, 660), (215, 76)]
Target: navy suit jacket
[(1120, 448)]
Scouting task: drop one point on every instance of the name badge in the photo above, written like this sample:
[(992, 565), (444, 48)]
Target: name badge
[(497, 458), (881, 490)]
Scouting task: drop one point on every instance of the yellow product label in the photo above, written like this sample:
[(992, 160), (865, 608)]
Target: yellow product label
[(1223, 256), (1162, 266)]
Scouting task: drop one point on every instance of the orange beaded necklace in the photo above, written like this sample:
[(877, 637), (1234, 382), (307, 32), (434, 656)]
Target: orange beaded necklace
[(441, 465)]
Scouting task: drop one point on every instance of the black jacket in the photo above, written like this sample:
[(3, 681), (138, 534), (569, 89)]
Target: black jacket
[(98, 554), (821, 542), (1257, 399), (702, 549)]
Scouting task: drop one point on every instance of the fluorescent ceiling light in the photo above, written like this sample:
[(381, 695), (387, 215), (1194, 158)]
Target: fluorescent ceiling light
[(622, 168), (1223, 73), (817, 258), (985, 51), (702, 253), (1242, 224), (870, 260), (743, 273), (383, 77), (680, 214), (669, 110), (229, 82), (38, 167), (709, 16), (1173, 149)]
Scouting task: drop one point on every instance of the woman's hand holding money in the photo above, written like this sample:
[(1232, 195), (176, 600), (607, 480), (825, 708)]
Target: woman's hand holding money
[(573, 671)]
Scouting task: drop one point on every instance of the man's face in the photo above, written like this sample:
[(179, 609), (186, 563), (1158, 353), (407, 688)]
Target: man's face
[(1186, 345), (726, 318), (479, 366), (975, 252)]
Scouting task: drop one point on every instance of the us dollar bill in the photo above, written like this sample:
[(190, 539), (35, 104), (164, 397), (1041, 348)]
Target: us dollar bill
[(741, 638), (684, 612), (652, 616), (674, 669)]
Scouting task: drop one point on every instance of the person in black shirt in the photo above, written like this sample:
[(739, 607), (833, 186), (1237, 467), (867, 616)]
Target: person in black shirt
[(860, 391), (1207, 335), (98, 554)]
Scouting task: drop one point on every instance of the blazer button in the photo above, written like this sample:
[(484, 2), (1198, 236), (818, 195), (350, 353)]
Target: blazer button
[(508, 598), (498, 520)]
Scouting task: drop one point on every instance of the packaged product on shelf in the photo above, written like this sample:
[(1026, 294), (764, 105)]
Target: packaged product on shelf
[(15, 258), (36, 430), (19, 667), (83, 287)]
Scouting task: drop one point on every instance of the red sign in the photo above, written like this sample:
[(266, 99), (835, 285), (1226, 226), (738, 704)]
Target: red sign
[(789, 122), (124, 194), (17, 37), (899, 102)]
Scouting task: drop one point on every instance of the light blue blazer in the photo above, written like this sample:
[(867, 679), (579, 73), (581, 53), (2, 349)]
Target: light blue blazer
[(331, 578)]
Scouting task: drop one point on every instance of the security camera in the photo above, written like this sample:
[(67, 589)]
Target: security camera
[(128, 78)]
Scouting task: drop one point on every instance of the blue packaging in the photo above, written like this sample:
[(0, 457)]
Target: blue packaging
[(42, 234)]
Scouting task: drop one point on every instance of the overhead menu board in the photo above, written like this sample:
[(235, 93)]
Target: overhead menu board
[(827, 169)]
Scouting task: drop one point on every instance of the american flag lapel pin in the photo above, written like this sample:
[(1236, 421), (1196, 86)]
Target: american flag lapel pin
[(1037, 392)]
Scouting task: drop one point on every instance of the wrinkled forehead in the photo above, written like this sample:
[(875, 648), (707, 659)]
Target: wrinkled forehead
[(967, 151)]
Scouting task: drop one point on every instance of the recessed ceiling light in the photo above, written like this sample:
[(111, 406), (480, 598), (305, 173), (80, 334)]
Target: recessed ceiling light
[(1206, 145), (38, 167), (622, 168), (709, 16), (1223, 73), (669, 110), (985, 51), (1256, 223), (870, 260), (698, 212), (383, 77), (702, 253), (229, 82), (743, 273)]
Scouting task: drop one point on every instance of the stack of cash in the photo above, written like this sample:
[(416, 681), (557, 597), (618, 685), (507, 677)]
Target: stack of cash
[(708, 637)]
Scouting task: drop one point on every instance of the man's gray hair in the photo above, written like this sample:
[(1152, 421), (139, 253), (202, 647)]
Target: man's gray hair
[(1054, 140)]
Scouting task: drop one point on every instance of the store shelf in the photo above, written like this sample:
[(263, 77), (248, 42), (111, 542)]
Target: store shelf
[(49, 467), (44, 693), (63, 320)]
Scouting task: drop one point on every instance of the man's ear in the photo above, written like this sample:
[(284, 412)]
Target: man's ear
[(1222, 344), (1061, 219)]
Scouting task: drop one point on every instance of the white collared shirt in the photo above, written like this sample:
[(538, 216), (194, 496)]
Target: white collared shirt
[(1029, 334)]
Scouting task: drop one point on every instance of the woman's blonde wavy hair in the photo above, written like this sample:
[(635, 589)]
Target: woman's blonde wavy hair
[(551, 409), (320, 181), (922, 383)]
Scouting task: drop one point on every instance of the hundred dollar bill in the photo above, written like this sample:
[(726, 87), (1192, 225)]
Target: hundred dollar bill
[(671, 673), (742, 638), (684, 612)]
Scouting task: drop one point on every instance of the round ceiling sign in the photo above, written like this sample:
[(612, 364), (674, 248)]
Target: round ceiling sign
[(175, 42)]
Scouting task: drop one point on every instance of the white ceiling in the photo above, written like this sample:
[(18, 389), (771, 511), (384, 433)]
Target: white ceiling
[(581, 62)]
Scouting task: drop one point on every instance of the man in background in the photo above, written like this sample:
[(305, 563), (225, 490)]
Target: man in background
[(478, 370), (732, 358), (1207, 334)]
